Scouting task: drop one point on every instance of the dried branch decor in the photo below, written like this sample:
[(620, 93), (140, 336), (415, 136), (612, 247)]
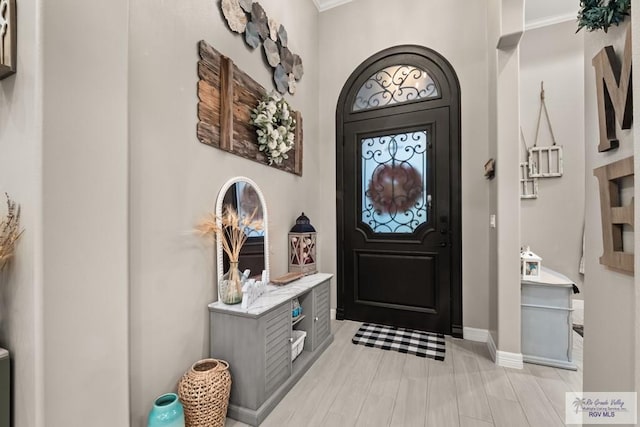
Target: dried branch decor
[(10, 232), (230, 229)]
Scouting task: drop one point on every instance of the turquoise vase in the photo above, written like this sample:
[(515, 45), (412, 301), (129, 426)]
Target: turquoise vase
[(166, 412)]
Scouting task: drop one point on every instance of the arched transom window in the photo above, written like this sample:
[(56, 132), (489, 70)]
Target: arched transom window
[(395, 84)]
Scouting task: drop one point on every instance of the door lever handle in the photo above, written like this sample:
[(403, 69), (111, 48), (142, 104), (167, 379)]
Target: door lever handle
[(443, 244)]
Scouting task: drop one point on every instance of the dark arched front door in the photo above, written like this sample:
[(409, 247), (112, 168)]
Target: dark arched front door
[(398, 186)]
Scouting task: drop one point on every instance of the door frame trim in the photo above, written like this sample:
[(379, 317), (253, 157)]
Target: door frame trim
[(452, 101)]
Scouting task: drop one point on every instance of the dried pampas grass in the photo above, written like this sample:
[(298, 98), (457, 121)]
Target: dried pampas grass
[(10, 232), (230, 229)]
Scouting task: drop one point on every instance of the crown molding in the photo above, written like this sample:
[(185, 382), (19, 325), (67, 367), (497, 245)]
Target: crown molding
[(551, 20), (323, 5)]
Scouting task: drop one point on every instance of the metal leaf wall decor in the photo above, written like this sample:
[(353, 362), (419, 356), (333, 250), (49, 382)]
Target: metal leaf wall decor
[(250, 19), (236, 18)]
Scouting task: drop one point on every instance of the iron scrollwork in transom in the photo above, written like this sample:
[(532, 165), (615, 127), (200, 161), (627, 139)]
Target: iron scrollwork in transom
[(396, 84)]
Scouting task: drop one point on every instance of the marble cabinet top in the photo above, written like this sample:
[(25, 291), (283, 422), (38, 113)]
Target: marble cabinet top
[(548, 277), (273, 297)]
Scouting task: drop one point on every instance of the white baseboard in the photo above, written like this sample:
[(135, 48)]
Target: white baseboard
[(509, 360), (332, 314), (578, 304), (474, 334), (491, 346), (503, 358)]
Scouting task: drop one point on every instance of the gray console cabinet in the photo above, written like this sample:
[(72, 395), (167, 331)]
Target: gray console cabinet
[(5, 388), (257, 344), (547, 327)]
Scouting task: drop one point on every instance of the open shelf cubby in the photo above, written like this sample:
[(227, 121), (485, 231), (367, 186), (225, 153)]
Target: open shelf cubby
[(296, 320)]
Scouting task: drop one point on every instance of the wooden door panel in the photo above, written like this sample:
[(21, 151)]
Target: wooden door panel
[(409, 280)]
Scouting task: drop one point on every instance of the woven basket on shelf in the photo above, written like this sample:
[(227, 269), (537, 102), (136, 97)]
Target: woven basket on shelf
[(204, 392)]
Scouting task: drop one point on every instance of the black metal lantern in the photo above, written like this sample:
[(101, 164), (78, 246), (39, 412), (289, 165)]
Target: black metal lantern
[(302, 247)]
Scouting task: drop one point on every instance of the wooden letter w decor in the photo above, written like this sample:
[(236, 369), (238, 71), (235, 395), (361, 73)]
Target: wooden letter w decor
[(614, 90), (614, 215)]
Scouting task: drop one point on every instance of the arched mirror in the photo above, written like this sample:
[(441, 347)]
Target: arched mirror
[(247, 199)]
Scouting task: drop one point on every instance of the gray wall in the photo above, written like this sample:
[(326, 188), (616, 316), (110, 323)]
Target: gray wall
[(175, 180), (349, 35), (493, 33), (610, 310), (552, 224), (21, 177), (85, 213), (505, 20)]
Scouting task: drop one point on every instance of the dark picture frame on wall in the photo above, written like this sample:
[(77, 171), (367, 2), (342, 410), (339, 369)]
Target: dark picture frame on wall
[(8, 38)]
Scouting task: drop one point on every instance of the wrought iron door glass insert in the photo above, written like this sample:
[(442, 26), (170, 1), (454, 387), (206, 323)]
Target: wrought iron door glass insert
[(395, 85), (394, 182)]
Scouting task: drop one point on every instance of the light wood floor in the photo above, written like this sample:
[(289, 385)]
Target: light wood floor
[(353, 385)]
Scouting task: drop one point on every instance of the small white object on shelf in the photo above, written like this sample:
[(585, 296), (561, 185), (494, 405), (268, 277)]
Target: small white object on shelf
[(297, 345), (530, 264), (252, 290)]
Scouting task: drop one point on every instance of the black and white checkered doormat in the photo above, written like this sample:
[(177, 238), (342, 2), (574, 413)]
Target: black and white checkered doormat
[(423, 344)]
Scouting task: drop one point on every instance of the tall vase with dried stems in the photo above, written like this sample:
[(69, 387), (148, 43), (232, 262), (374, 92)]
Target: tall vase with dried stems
[(231, 229), (230, 287)]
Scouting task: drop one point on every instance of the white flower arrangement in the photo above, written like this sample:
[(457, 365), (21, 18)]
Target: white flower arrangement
[(275, 126)]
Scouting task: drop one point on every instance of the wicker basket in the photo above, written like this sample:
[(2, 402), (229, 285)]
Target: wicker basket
[(204, 392)]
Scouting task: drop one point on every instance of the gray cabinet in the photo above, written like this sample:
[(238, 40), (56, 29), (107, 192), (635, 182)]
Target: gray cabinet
[(5, 388), (547, 327), (257, 344), (322, 320)]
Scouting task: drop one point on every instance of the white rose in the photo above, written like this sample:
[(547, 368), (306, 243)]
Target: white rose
[(272, 144), (282, 130), (271, 108)]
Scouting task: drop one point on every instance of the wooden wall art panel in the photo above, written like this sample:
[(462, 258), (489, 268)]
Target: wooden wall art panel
[(8, 38), (227, 96), (614, 215), (614, 92)]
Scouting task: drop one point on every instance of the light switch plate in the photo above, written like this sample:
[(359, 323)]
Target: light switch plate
[(492, 220)]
